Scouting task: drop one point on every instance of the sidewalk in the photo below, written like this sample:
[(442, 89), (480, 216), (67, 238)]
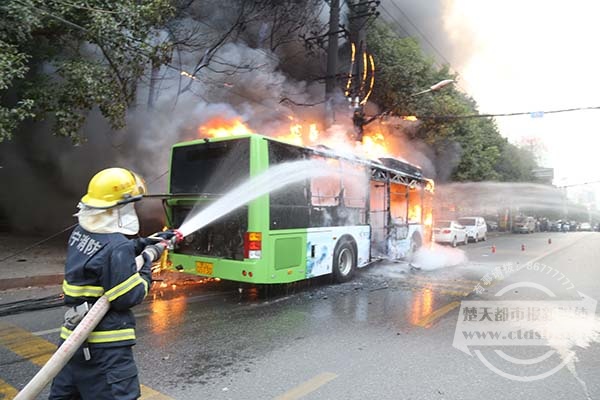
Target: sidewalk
[(42, 265)]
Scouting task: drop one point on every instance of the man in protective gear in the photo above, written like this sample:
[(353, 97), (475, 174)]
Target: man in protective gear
[(101, 261)]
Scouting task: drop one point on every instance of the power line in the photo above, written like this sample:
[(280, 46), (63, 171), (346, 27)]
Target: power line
[(395, 20), (534, 114), (424, 37), (439, 53)]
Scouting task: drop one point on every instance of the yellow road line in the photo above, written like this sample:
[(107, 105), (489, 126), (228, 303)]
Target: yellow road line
[(39, 351), (440, 312), (7, 392), (454, 293), (307, 387), (151, 394), (25, 344)]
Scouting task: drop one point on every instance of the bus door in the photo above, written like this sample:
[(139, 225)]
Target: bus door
[(399, 211), (378, 216)]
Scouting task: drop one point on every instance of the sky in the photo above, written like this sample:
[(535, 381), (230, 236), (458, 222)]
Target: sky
[(534, 55)]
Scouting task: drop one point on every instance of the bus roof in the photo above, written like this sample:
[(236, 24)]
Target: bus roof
[(388, 164)]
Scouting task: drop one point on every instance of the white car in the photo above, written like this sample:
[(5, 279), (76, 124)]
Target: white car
[(585, 226), (450, 232), (476, 228)]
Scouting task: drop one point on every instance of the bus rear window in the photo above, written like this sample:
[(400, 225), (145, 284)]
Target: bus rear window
[(211, 167)]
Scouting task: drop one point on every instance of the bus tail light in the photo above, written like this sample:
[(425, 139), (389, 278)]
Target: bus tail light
[(253, 245)]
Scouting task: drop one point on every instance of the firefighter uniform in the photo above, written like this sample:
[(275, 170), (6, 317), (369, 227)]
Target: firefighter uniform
[(101, 262), (96, 265)]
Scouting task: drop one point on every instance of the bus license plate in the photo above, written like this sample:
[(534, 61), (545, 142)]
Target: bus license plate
[(204, 268)]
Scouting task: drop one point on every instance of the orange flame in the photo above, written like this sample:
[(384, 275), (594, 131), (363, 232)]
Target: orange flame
[(414, 213), (374, 145), (220, 127), (429, 219)]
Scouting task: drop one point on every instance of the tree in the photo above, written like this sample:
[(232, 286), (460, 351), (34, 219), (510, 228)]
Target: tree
[(446, 117), (61, 59)]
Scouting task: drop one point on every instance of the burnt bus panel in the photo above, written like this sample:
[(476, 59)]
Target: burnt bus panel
[(402, 166), (210, 167), (223, 238)]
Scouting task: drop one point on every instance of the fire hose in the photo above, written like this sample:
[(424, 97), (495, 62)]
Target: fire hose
[(93, 317)]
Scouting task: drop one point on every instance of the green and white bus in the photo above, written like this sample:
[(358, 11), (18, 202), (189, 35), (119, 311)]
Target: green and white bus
[(369, 210)]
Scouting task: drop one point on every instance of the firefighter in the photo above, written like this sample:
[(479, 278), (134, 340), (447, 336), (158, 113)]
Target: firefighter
[(101, 261)]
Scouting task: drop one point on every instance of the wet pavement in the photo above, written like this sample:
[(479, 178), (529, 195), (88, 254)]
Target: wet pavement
[(388, 334)]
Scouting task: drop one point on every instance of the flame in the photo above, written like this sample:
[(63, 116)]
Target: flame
[(374, 145), (414, 213), (349, 82), (313, 133), (298, 133), (372, 83), (220, 127), (294, 136), (410, 118), (429, 219)]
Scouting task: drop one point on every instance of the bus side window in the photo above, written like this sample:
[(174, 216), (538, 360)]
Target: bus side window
[(288, 207)]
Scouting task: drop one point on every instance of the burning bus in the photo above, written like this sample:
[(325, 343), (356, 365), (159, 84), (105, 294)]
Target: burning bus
[(366, 211)]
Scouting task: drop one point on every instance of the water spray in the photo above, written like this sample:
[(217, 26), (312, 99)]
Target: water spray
[(273, 179)]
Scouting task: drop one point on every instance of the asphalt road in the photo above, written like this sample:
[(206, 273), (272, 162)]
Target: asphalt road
[(388, 334)]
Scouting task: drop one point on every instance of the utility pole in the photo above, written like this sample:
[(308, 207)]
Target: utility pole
[(359, 13), (332, 48)]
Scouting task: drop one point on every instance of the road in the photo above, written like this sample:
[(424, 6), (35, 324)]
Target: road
[(388, 334)]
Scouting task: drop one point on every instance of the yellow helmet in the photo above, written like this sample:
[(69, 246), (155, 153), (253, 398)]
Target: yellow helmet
[(112, 187)]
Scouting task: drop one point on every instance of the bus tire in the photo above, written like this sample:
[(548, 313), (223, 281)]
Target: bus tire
[(344, 261)]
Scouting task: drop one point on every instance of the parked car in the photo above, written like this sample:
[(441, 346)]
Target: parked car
[(524, 225), (491, 225), (476, 228), (555, 226), (450, 232), (585, 226)]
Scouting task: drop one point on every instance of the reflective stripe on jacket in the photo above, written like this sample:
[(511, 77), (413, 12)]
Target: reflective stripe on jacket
[(104, 264)]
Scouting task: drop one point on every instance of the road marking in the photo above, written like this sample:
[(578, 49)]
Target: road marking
[(37, 350), (151, 394), (440, 312), (7, 391), (46, 332), (25, 344), (307, 387), (427, 320), (454, 293)]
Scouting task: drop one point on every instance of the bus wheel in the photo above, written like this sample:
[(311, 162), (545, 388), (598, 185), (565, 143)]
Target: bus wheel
[(344, 261)]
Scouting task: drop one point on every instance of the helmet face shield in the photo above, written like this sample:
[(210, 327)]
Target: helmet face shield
[(122, 219), (114, 186)]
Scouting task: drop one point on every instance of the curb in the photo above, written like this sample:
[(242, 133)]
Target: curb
[(40, 280)]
